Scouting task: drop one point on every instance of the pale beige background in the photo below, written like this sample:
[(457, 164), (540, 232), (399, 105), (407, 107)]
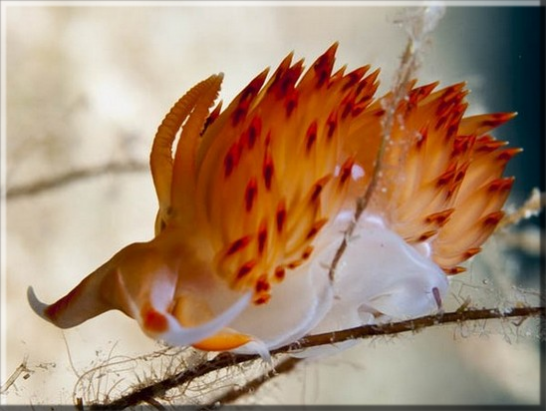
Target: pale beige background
[(89, 85)]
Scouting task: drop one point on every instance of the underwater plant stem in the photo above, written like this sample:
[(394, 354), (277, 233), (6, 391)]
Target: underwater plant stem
[(73, 176), (409, 64), (159, 389), (532, 207), (283, 367)]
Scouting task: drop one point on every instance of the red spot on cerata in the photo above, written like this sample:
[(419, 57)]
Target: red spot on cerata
[(471, 252), (229, 164), (359, 108), (251, 193), (447, 176), (315, 191), (280, 272), (417, 94), (231, 160), (441, 217), (295, 264), (262, 237), (354, 77), (323, 66), (291, 101), (426, 235), (454, 270), (462, 144), (345, 171), (285, 78), (488, 144), (311, 137), (315, 228), (267, 140), (452, 130), (444, 107), (267, 170), (280, 216), (347, 104), (252, 89), (240, 112), (331, 125), (245, 269), (238, 245), (496, 119), (254, 131), (212, 117), (262, 285), (506, 155), (318, 187), (501, 184), (262, 299), (441, 121), (307, 252), (379, 112), (288, 81)]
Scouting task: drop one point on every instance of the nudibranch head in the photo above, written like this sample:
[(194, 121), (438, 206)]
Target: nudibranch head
[(254, 203)]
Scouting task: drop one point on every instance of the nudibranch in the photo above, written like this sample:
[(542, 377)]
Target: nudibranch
[(255, 200)]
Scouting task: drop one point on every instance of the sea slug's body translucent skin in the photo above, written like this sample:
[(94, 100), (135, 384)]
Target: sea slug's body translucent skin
[(256, 199)]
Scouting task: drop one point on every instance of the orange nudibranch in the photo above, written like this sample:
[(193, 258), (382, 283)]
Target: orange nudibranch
[(255, 200)]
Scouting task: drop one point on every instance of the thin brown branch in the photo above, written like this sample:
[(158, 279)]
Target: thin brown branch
[(74, 176), (159, 389), (420, 26), (284, 367)]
